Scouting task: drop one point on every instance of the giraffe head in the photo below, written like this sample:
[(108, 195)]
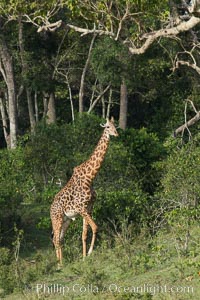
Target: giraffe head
[(110, 128)]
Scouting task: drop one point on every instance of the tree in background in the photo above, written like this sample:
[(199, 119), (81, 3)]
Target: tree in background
[(7, 71), (53, 61), (135, 24)]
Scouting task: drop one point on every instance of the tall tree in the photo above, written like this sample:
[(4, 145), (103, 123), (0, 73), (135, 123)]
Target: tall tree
[(51, 111), (123, 106), (7, 71), (25, 69)]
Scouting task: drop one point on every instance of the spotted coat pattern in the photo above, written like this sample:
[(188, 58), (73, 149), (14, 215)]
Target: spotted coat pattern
[(77, 197)]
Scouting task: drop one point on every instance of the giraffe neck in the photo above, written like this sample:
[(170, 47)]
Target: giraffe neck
[(90, 167)]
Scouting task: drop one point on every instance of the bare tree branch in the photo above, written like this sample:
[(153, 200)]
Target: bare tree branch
[(187, 63), (65, 75), (189, 123), (81, 90), (85, 31), (122, 19), (119, 18), (151, 37), (98, 98), (191, 61), (51, 27)]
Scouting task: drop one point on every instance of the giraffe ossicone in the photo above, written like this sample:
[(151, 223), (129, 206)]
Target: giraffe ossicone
[(77, 196)]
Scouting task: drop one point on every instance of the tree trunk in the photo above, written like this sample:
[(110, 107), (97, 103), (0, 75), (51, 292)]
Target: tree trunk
[(24, 72), (7, 71), (70, 98), (123, 106), (36, 107), (103, 107), (45, 104), (51, 111), (4, 121), (109, 104), (30, 110), (49, 107)]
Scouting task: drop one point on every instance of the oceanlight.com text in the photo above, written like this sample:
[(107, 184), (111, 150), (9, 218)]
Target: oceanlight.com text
[(60, 289)]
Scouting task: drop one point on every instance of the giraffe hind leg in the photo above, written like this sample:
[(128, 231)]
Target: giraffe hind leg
[(94, 228), (84, 236)]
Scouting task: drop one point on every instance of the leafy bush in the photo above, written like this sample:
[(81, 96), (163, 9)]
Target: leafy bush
[(109, 61), (119, 204), (7, 278), (181, 181), (177, 202), (144, 150), (12, 180)]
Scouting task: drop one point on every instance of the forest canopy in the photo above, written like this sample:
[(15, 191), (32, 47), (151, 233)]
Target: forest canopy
[(137, 60)]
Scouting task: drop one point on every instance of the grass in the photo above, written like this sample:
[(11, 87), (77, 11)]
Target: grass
[(134, 268)]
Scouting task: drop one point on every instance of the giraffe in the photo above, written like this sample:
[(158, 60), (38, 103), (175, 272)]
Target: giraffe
[(77, 197)]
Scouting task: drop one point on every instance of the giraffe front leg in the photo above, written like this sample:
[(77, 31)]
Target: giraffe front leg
[(84, 236), (58, 248), (57, 225), (59, 255)]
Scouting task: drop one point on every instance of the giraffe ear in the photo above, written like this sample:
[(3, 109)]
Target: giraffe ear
[(112, 120)]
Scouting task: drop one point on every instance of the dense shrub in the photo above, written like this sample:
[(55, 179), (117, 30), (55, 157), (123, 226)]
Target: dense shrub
[(144, 150), (176, 205), (7, 278), (12, 189)]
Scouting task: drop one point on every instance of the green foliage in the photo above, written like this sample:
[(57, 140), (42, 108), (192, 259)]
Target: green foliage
[(108, 61), (177, 202), (144, 150), (155, 101), (7, 280), (181, 177), (12, 178), (115, 205), (9, 180), (17, 8), (44, 222)]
